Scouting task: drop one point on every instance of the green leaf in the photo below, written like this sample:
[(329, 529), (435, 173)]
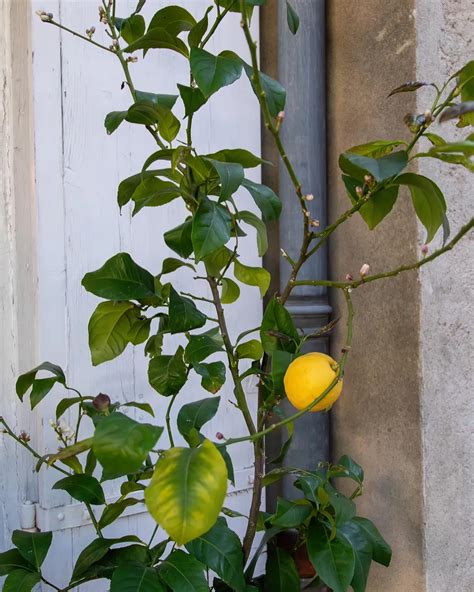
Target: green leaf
[(20, 580), (230, 291), (211, 228), (139, 331), (253, 276), (70, 451), (237, 155), (158, 38), (195, 415), (220, 550), (168, 374), (184, 316), (333, 560), (131, 28), (280, 362), (122, 444), (187, 491), (131, 577), (376, 148), (179, 239), (197, 32), (83, 488), (202, 346), (148, 113), (217, 260), (65, 404), (109, 327), (113, 120), (380, 204), (153, 192), (266, 200), (183, 573), (275, 93), (381, 551), (213, 375), (171, 264), (281, 574), (347, 467), (192, 98), (408, 87), (113, 511), (292, 18), (120, 278), (290, 514), (278, 331), (33, 546), (162, 100), (253, 220), (428, 201), (128, 186), (362, 548), (174, 19), (11, 560), (41, 386), (214, 72), (344, 508), (357, 166), (94, 553), (466, 84), (231, 176), (251, 349)]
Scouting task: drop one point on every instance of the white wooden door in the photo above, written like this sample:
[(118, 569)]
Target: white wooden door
[(78, 168)]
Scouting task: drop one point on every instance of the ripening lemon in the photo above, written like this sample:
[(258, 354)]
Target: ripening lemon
[(308, 377)]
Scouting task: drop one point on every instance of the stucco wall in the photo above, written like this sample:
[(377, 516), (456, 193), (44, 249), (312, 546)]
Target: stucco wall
[(407, 411), (445, 41)]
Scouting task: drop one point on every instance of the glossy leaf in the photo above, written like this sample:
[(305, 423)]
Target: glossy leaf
[(214, 72), (113, 511), (281, 574), (83, 488), (67, 403), (154, 192), (357, 166), (253, 276), (202, 346), (230, 291), (265, 198), (187, 491), (428, 201), (292, 18), (195, 415), (376, 148), (211, 228), (347, 467), (20, 580), (174, 19), (136, 578), (237, 155), (179, 239), (41, 386), (220, 549), (122, 444), (171, 264), (131, 28), (167, 374), (381, 551), (333, 560), (466, 85), (192, 98), (183, 573), (158, 38), (162, 100), (275, 93), (216, 261), (199, 29), (113, 120), (128, 186), (33, 546), (230, 175), (120, 278), (290, 514), (183, 314), (344, 508), (408, 87), (12, 560), (213, 375), (253, 220), (278, 331), (109, 327), (362, 548), (379, 205), (251, 349)]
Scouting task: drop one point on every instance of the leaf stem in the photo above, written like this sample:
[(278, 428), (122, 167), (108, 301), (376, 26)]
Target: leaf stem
[(168, 420)]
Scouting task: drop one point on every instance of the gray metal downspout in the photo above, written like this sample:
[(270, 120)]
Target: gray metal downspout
[(301, 69)]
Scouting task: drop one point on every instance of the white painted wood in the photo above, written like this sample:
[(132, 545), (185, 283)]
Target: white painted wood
[(78, 168)]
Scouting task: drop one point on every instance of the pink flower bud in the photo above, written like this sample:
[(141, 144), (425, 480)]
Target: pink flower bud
[(349, 277), (369, 180), (101, 402), (315, 223), (309, 197), (219, 436), (424, 249), (281, 115), (359, 191), (364, 270)]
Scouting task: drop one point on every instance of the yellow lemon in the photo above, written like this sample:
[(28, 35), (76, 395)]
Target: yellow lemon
[(308, 377)]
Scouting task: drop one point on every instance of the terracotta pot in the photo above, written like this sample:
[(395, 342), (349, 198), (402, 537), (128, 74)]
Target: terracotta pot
[(288, 540)]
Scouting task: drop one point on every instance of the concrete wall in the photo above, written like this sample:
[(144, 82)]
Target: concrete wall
[(406, 414)]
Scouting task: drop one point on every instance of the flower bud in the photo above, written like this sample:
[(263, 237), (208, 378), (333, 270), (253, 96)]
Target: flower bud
[(364, 270), (101, 402), (309, 197), (219, 436), (369, 180), (90, 32), (349, 277), (315, 223), (281, 115), (46, 17), (424, 249), (24, 436), (359, 191)]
